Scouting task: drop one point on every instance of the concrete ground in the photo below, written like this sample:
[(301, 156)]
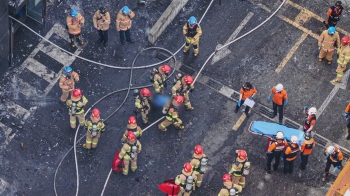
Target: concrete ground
[(283, 51)]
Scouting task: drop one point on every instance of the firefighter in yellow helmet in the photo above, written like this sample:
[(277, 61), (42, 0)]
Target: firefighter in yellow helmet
[(142, 103), (76, 108), (343, 58), (199, 162), (229, 188), (171, 116), (181, 87), (240, 168), (129, 153), (74, 23), (186, 180), (132, 126), (94, 128), (192, 32)]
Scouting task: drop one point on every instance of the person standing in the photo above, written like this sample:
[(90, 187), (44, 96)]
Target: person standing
[(76, 108), (123, 24), (181, 87), (326, 44), (74, 23), (186, 180), (129, 152), (142, 103), (101, 21), (290, 154), (158, 78), (229, 188), (280, 99), (333, 15), (335, 158), (240, 168), (94, 128), (275, 150), (343, 58), (310, 119), (306, 149), (200, 164), (192, 32), (132, 126), (247, 91), (67, 82)]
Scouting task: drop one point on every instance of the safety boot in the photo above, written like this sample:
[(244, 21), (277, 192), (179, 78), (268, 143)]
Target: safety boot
[(319, 60), (325, 175), (348, 136), (335, 81), (195, 54), (180, 127), (81, 42), (72, 43), (84, 146), (329, 62), (186, 49), (189, 108), (99, 41)]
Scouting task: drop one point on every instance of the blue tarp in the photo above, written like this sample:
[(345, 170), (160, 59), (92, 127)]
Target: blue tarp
[(270, 129)]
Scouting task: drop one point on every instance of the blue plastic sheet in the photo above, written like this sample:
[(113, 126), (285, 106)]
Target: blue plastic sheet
[(270, 129), (161, 100)]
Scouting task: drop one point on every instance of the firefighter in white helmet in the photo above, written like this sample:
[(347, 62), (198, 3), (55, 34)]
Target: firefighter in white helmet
[(334, 157), (290, 154), (280, 99), (275, 150)]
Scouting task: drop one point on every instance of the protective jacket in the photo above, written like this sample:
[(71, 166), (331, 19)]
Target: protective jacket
[(101, 22), (344, 54), (80, 103), (123, 21), (326, 41), (74, 24), (180, 87), (67, 82)]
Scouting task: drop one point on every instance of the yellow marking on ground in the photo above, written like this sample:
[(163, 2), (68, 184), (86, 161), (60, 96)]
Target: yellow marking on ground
[(239, 122), (291, 52), (305, 30), (302, 18)]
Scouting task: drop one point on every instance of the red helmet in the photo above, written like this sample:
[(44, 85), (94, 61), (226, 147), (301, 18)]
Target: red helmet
[(198, 150), (95, 113), (226, 178), (187, 167), (145, 92), (77, 93), (345, 40), (132, 120), (131, 136), (166, 69), (188, 79), (242, 155), (179, 99)]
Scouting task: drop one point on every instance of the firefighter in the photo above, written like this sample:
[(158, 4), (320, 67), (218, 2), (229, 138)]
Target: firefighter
[(200, 164), (181, 87), (129, 152), (123, 24), (275, 149), (142, 104), (192, 32), (101, 21), (240, 168), (306, 149), (290, 154), (280, 99), (186, 180), (229, 188), (158, 78), (335, 158), (343, 58), (171, 116), (346, 115), (94, 128), (74, 23), (76, 108), (132, 126), (310, 119), (247, 91), (67, 82), (326, 44), (333, 15)]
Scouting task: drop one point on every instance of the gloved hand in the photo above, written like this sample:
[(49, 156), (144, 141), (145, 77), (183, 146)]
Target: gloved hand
[(164, 111), (346, 115), (269, 98), (305, 108), (251, 98), (269, 152), (286, 103), (239, 103), (145, 107), (336, 168), (282, 159), (192, 90)]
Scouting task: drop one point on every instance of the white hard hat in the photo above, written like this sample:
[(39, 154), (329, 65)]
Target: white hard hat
[(279, 135), (294, 139), (312, 111), (279, 87), (330, 149)]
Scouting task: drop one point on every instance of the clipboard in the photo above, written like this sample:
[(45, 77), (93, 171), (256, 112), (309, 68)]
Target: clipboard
[(249, 103)]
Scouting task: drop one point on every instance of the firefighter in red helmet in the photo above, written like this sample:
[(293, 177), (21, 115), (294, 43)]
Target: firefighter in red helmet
[(76, 108), (171, 116), (181, 87), (229, 188), (186, 180), (129, 152), (132, 126), (240, 168), (200, 163), (343, 58), (94, 128), (159, 76), (142, 103)]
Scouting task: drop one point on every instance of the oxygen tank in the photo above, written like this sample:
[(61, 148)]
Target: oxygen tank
[(133, 151), (246, 168), (189, 183), (203, 167), (74, 108), (94, 130), (232, 192)]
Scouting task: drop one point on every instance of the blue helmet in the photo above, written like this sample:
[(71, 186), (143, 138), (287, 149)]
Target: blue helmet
[(331, 30), (73, 13), (68, 70), (192, 20), (126, 10)]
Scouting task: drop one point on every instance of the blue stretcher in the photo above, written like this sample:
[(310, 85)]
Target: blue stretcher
[(269, 130)]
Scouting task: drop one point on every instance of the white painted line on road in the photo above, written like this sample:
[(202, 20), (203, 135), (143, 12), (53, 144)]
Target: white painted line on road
[(224, 52), (57, 54), (7, 131), (17, 111), (40, 70), (27, 89), (60, 30), (228, 92), (3, 186)]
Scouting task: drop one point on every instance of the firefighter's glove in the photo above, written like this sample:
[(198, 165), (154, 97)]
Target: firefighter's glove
[(286, 103), (269, 98), (145, 107), (346, 115), (191, 90)]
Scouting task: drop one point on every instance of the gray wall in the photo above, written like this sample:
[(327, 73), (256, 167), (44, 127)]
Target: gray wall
[(4, 36)]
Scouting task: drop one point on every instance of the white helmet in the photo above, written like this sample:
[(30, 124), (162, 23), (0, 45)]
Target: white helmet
[(294, 139), (312, 111), (279, 87), (279, 135), (330, 149)]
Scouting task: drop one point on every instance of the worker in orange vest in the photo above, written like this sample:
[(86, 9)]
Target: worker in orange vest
[(333, 15), (247, 91), (280, 99), (290, 154), (306, 149), (335, 158)]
